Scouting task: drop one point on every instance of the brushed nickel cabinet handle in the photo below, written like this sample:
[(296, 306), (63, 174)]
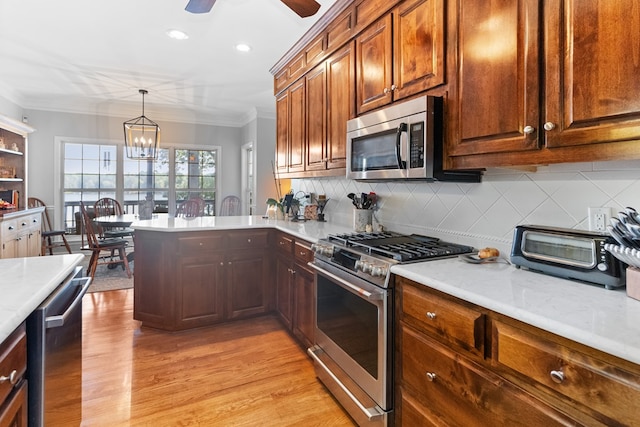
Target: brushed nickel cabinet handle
[(431, 376), (12, 378), (557, 376), (529, 130), (549, 126), (431, 315)]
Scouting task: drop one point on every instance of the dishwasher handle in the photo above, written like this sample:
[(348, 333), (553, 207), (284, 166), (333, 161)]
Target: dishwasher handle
[(59, 319)]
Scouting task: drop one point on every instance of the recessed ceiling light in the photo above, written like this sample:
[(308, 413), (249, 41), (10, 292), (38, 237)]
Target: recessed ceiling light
[(177, 34), (242, 47)]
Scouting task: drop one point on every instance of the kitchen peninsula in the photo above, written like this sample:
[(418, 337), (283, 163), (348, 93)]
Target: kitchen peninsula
[(550, 348)]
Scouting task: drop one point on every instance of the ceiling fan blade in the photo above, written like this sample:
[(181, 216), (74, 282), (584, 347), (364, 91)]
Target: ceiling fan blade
[(304, 8), (199, 6)]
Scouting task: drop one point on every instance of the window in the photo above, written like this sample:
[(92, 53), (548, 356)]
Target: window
[(92, 171)]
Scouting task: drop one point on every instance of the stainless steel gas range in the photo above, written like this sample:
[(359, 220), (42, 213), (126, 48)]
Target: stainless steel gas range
[(353, 351)]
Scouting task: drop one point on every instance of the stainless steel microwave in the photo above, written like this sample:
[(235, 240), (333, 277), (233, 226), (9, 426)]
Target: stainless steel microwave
[(403, 141)]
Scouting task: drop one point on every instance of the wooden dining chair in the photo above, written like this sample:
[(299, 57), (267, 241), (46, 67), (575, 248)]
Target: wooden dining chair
[(48, 234), (103, 251), (230, 206), (190, 208), (108, 206)]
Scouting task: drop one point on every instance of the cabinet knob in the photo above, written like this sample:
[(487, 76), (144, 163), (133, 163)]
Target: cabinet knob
[(281, 242), (529, 130), (248, 240), (10, 227), (12, 378), (431, 376), (23, 224), (549, 126), (394, 87), (386, 90), (557, 376), (221, 263), (431, 315), (303, 253)]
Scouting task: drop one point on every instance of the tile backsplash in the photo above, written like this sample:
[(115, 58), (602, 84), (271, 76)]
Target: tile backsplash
[(485, 214)]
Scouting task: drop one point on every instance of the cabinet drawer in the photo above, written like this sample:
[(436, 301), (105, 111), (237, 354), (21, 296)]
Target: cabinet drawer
[(303, 252), (449, 321), (284, 243), (28, 222), (459, 392), (9, 228), (598, 385), (197, 244), (13, 357), (252, 240)]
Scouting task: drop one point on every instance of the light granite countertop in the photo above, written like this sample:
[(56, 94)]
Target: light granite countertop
[(308, 230), (26, 282), (607, 320)]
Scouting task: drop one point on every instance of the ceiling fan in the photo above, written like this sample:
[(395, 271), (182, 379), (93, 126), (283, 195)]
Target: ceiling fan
[(304, 8)]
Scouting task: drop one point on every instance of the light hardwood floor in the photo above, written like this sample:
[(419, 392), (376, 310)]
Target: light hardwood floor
[(246, 373)]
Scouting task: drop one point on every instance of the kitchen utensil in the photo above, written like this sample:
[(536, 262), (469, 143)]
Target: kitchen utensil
[(354, 200)]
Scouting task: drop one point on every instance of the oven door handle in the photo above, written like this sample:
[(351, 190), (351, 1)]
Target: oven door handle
[(348, 286), (58, 320), (372, 414)]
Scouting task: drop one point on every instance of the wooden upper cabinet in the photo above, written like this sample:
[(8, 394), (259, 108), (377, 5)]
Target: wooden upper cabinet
[(297, 121), (374, 64), (514, 103), (591, 66), (340, 103), (496, 94), (282, 132), (401, 54), (316, 149), (291, 128), (418, 48)]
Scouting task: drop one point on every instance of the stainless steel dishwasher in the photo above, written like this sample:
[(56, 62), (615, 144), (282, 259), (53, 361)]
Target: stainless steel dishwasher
[(54, 355)]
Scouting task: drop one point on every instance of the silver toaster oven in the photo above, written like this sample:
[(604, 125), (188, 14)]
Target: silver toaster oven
[(567, 253)]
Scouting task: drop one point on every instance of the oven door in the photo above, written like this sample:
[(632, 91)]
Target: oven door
[(353, 342)]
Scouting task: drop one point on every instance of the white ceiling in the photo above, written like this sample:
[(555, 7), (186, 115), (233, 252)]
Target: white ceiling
[(92, 56)]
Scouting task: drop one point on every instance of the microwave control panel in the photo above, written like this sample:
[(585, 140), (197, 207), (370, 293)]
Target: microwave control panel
[(416, 145)]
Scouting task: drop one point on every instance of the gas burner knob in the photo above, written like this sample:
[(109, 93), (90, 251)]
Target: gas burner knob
[(363, 266), (326, 250), (378, 271)]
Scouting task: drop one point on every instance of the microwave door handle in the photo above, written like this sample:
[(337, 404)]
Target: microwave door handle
[(402, 128)]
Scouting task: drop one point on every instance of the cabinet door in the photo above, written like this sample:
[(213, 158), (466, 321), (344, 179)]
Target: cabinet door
[(495, 90), (340, 104), (316, 81), (200, 295), (418, 47), (282, 132), (14, 412), (304, 320), (247, 276), (591, 70), (297, 123), (284, 290), (374, 66)]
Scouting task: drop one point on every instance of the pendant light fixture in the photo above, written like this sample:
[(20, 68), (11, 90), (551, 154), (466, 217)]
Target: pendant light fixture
[(141, 136)]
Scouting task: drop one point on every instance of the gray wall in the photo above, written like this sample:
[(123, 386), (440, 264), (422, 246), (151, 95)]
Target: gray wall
[(50, 125)]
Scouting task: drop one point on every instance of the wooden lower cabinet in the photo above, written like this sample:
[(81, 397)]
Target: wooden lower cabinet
[(13, 364), (444, 387), (461, 364), (192, 279), (304, 306), (294, 287), (14, 412)]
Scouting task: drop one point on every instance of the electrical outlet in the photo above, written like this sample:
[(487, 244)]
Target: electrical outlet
[(599, 218)]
